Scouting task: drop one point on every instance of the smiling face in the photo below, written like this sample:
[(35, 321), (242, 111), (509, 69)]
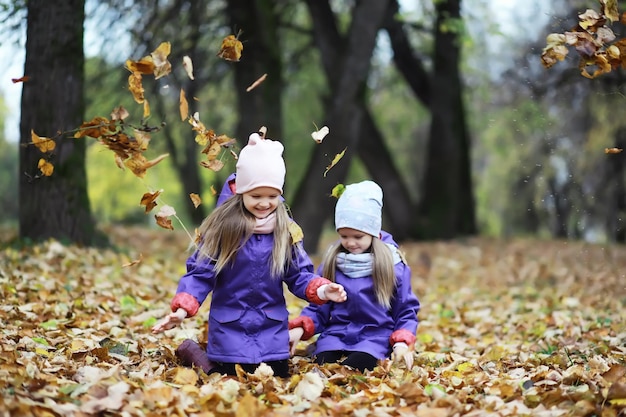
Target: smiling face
[(354, 241), (261, 201)]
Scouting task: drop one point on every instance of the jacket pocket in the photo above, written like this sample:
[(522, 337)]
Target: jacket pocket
[(225, 315), (276, 314)]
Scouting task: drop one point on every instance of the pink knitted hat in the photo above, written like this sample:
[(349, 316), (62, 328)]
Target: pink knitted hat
[(260, 164)]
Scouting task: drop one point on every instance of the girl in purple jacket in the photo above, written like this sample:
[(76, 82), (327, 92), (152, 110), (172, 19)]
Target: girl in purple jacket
[(244, 255), (379, 318)]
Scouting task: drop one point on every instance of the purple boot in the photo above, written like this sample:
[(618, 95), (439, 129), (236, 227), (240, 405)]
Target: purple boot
[(192, 355)]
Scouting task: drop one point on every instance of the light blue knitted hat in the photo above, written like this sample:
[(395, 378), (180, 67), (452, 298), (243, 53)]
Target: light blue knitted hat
[(360, 208)]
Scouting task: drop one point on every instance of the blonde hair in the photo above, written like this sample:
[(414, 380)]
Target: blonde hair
[(383, 272), (228, 228)]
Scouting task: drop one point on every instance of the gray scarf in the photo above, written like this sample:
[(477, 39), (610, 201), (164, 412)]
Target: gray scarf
[(359, 265)]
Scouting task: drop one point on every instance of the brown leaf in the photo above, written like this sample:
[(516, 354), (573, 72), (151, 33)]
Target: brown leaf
[(195, 199), (183, 106), (149, 200), (231, 48), (256, 83)]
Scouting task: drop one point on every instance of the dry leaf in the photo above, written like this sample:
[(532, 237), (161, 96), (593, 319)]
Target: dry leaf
[(335, 160), (183, 106), (319, 135), (195, 199), (231, 48), (149, 200), (20, 80), (256, 83), (612, 150), (188, 66), (45, 167), (43, 144)]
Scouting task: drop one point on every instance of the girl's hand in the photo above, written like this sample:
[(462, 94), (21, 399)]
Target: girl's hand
[(401, 351), (335, 292), (295, 335), (170, 321)]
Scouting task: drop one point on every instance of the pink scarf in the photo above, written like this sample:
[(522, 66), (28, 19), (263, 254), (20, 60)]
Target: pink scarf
[(265, 226)]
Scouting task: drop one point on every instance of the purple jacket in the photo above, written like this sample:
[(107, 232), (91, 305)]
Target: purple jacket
[(248, 318), (361, 323)]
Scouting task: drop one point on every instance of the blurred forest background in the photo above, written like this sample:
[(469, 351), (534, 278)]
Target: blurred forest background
[(444, 103)]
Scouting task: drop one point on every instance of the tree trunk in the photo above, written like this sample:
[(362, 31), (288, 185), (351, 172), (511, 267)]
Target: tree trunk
[(312, 205), (52, 104), (447, 197), (261, 106), (371, 149)]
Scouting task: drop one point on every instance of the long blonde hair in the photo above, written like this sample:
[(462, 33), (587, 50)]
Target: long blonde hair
[(229, 227), (383, 272)]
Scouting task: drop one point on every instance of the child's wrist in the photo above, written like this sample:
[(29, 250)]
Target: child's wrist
[(321, 292)]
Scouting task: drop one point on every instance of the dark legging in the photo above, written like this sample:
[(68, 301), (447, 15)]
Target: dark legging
[(280, 368), (357, 360)]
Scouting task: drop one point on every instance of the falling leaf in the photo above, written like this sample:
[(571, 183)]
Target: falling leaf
[(134, 262), (188, 66), (163, 217), (256, 83), (214, 165), (213, 190), (149, 200), (138, 164), (135, 86), (319, 135), (119, 113), (183, 106), (43, 144), (338, 190), (45, 167), (335, 160), (146, 109), (612, 150), (195, 199), (20, 80), (297, 235), (162, 66), (231, 48)]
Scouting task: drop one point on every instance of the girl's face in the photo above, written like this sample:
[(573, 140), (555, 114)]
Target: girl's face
[(261, 201), (354, 241)]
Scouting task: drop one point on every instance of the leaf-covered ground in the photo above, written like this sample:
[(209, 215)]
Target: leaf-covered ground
[(521, 327)]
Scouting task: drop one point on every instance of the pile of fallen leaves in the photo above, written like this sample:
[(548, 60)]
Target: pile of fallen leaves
[(520, 327)]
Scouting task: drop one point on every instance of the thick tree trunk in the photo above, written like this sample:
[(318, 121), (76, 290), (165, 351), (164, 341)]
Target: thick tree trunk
[(52, 103), (261, 55), (312, 205), (447, 203)]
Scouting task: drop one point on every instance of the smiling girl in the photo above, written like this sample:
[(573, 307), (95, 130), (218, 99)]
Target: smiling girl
[(244, 255)]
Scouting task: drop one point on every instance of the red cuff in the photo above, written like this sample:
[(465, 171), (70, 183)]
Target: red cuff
[(307, 325), (402, 335), (187, 302), (311, 290)]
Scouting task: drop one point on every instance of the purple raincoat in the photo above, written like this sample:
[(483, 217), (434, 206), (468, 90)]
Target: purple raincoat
[(248, 317), (361, 324)]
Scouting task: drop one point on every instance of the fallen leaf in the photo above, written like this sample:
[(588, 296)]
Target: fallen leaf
[(149, 200), (612, 150), (20, 80), (183, 106), (195, 199)]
